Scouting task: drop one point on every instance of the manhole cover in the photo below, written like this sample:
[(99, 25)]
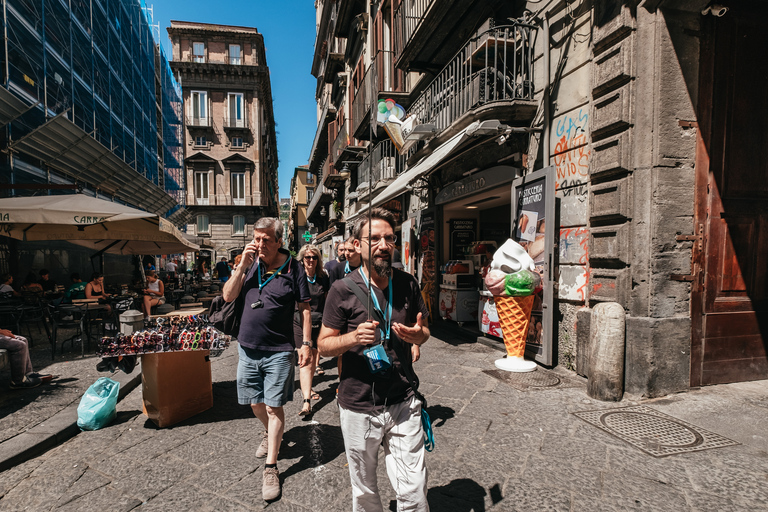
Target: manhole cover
[(653, 432), (523, 381)]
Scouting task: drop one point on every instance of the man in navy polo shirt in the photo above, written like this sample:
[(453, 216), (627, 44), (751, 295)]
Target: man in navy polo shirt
[(378, 408), (272, 287)]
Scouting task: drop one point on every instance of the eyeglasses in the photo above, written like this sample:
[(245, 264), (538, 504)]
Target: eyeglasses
[(311, 258), (375, 240)]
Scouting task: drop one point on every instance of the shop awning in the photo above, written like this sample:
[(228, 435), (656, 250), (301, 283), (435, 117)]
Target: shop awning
[(62, 145), (401, 183)]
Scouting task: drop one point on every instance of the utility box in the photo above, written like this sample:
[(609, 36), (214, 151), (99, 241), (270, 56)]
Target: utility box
[(131, 321), (176, 385)]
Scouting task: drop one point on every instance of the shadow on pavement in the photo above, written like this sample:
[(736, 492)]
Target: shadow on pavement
[(462, 495), (439, 414), (317, 444)]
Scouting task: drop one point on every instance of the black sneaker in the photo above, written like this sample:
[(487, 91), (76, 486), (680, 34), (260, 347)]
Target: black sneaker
[(28, 382)]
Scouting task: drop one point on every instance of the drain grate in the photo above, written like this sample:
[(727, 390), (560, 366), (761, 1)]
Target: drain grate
[(525, 380), (653, 432)]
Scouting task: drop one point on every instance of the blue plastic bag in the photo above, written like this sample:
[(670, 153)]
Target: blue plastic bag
[(98, 407)]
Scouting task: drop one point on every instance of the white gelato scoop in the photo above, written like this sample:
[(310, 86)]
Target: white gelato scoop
[(511, 257)]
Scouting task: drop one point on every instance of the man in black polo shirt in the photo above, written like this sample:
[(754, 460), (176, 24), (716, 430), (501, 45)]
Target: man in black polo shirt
[(354, 260), (378, 408), (272, 287)]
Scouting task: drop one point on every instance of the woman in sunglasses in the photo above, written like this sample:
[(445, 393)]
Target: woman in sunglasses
[(318, 283)]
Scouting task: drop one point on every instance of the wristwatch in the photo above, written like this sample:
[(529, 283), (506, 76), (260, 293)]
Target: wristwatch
[(306, 343)]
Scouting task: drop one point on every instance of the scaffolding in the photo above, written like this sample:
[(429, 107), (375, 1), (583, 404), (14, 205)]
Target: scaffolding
[(97, 63)]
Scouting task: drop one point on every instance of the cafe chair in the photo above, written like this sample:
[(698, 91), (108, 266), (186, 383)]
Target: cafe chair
[(69, 317), (34, 311)]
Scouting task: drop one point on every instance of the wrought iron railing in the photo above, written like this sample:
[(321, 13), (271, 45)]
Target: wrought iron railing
[(343, 139), (233, 122), (384, 163), (495, 66), (380, 76), (200, 122), (407, 19)]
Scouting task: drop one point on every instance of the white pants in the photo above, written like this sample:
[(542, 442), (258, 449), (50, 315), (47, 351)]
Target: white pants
[(398, 429)]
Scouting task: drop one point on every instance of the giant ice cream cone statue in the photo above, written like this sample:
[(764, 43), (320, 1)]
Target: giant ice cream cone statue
[(512, 281)]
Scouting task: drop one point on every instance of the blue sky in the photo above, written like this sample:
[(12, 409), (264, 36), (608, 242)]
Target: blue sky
[(288, 27)]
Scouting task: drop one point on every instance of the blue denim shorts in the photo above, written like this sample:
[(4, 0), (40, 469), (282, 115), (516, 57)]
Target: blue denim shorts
[(264, 377)]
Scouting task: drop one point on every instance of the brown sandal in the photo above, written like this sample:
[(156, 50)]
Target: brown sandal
[(306, 408)]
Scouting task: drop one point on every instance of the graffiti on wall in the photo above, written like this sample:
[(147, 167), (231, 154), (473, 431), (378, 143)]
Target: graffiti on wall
[(571, 154)]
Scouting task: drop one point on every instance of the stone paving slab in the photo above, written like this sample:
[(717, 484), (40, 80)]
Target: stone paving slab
[(498, 448)]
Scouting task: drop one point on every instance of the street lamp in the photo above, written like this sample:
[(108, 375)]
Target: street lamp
[(322, 211), (344, 172)]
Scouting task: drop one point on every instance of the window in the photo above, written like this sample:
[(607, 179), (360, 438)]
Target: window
[(238, 225), (236, 117), (198, 52), (201, 188), (310, 178), (309, 195), (200, 140), (238, 188), (234, 55), (237, 142), (199, 108), (203, 225)]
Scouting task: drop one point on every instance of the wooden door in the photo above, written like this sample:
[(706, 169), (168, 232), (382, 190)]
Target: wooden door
[(729, 307)]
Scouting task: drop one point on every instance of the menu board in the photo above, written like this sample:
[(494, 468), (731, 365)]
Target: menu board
[(533, 227), (427, 259), (462, 232)]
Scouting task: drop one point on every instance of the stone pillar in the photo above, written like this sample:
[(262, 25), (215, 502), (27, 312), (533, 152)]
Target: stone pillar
[(606, 352)]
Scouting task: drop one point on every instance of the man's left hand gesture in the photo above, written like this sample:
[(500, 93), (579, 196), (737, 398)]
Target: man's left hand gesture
[(417, 334)]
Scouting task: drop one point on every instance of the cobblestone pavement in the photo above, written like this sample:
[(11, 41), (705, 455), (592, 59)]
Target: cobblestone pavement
[(500, 446)]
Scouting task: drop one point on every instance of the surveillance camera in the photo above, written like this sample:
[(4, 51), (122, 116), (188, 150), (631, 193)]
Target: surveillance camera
[(501, 140), (716, 10)]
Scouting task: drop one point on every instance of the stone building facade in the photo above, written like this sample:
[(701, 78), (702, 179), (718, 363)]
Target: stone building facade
[(303, 186), (230, 151), (649, 117)]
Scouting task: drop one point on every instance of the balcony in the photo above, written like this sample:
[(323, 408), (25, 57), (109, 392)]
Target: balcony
[(342, 148), (427, 33), (233, 123), (384, 163), (198, 122), (381, 80), (495, 69)]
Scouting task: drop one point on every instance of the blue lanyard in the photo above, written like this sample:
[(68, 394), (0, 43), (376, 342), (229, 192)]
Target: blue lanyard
[(388, 317), (347, 270), (258, 273), (312, 280)]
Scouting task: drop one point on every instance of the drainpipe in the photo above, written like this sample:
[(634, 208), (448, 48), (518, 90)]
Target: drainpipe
[(547, 84)]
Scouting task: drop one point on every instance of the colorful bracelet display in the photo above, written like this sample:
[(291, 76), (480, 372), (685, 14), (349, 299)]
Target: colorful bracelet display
[(171, 334)]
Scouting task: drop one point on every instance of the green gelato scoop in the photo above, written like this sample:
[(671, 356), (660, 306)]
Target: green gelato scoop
[(520, 284)]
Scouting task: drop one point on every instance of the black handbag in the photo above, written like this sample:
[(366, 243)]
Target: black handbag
[(225, 316)]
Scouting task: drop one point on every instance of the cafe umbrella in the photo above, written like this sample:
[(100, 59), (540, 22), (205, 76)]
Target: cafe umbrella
[(84, 220)]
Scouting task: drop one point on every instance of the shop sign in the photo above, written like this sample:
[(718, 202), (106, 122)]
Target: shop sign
[(533, 227), (478, 182)]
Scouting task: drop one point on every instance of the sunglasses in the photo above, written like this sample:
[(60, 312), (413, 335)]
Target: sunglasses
[(311, 258)]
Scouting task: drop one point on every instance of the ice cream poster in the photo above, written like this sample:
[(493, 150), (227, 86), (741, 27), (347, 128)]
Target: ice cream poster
[(533, 211)]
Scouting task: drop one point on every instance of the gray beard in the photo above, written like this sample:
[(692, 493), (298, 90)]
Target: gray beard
[(383, 268)]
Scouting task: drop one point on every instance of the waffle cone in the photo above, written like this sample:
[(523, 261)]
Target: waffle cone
[(514, 316)]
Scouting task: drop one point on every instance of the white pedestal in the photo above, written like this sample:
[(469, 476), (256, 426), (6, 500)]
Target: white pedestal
[(515, 364)]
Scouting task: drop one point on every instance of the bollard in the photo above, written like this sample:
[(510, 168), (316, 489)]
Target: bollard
[(606, 352)]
